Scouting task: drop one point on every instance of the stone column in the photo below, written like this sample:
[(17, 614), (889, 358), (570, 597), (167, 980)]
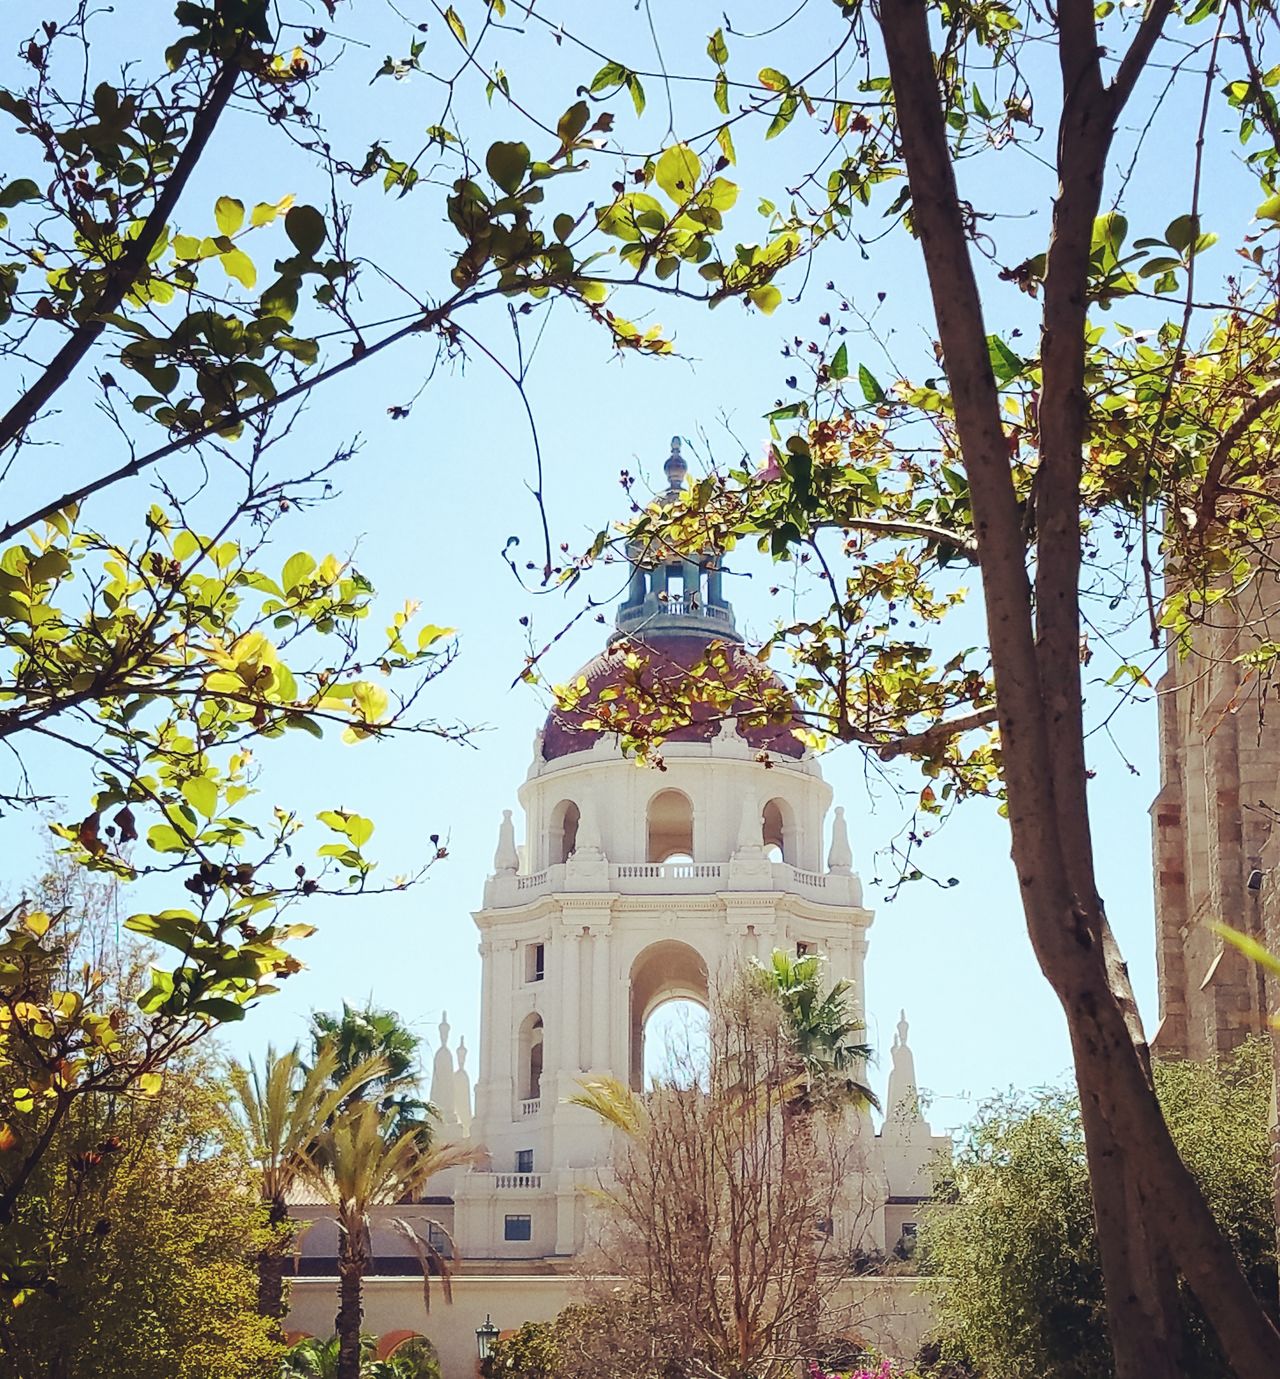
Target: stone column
[(485, 950), (570, 1060), (601, 998)]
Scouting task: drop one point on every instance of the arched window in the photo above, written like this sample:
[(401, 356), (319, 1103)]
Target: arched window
[(779, 842), (670, 826), (531, 1057), (564, 831)]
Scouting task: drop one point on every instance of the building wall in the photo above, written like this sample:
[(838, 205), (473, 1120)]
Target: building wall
[(1211, 826), (890, 1313)]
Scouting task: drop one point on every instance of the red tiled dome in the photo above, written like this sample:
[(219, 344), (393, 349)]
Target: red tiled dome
[(665, 661)]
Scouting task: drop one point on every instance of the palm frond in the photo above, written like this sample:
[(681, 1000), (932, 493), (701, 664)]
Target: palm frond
[(614, 1102)]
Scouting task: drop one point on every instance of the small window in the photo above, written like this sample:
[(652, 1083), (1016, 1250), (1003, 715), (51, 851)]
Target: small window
[(535, 962), (518, 1228), (524, 1160), (803, 949)]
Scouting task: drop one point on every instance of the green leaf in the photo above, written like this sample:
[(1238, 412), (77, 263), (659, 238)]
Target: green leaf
[(1110, 230), (1269, 210), (1182, 232), (263, 213), (1153, 267), (839, 367), (201, 794), (573, 122), (717, 48), (507, 165), (767, 298), (456, 24), (229, 214), (1250, 947), (238, 265), (871, 389), (219, 1009), (20, 189), (359, 830), (786, 113), (297, 570), (773, 79), (305, 227), (611, 74), (678, 171), (721, 194), (431, 634), (1004, 363), (637, 92), (166, 838)]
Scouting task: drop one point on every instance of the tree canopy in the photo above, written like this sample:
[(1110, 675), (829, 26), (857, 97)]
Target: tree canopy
[(1011, 1236)]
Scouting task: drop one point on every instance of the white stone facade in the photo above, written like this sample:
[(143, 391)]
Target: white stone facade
[(631, 888)]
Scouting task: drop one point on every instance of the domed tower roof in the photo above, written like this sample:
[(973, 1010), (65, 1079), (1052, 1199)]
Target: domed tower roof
[(675, 614)]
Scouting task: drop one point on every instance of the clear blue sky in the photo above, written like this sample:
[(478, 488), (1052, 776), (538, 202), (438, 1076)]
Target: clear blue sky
[(433, 498)]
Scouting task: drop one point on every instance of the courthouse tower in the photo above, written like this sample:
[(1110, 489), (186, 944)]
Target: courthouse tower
[(635, 887)]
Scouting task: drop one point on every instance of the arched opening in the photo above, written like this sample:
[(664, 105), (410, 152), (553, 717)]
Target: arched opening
[(779, 837), (415, 1356), (531, 1033), (676, 1040), (563, 837), (670, 827), (666, 973)]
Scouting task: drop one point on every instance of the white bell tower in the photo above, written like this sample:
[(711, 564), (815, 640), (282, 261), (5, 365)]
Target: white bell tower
[(635, 887)]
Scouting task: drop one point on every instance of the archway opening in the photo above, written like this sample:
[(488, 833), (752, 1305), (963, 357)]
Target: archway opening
[(415, 1356), (776, 827), (563, 836), (677, 1044), (531, 1034), (670, 826), (666, 973)]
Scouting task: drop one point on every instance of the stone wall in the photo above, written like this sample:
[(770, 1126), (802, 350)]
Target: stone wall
[(1211, 825)]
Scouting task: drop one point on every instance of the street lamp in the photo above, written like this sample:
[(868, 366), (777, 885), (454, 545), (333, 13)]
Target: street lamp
[(485, 1337)]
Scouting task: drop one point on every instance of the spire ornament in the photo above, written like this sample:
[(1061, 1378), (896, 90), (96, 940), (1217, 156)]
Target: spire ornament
[(840, 858), (506, 860), (675, 467)]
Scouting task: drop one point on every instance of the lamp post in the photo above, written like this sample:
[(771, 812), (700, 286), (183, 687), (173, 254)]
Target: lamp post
[(485, 1337)]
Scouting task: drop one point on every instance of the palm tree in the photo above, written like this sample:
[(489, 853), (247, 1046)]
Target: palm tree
[(284, 1106), (313, 1358), (356, 1035), (357, 1164), (828, 1053), (825, 1074)]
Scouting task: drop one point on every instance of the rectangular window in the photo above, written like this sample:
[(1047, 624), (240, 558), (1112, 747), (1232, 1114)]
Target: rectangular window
[(803, 949), (535, 962), (524, 1160), (518, 1228)]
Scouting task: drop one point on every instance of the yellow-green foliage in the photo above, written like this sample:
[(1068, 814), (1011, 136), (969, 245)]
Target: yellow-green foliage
[(1012, 1237), (142, 1221)]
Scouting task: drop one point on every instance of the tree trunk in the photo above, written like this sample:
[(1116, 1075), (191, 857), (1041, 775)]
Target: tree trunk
[(1150, 1213), (350, 1308), (271, 1266), (797, 1124)]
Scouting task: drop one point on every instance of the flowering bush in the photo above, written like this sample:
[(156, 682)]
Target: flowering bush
[(867, 1369)]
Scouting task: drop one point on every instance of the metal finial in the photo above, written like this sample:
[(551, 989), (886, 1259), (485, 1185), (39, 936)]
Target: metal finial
[(675, 467)]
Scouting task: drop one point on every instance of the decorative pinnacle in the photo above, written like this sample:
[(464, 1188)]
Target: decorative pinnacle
[(675, 467)]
